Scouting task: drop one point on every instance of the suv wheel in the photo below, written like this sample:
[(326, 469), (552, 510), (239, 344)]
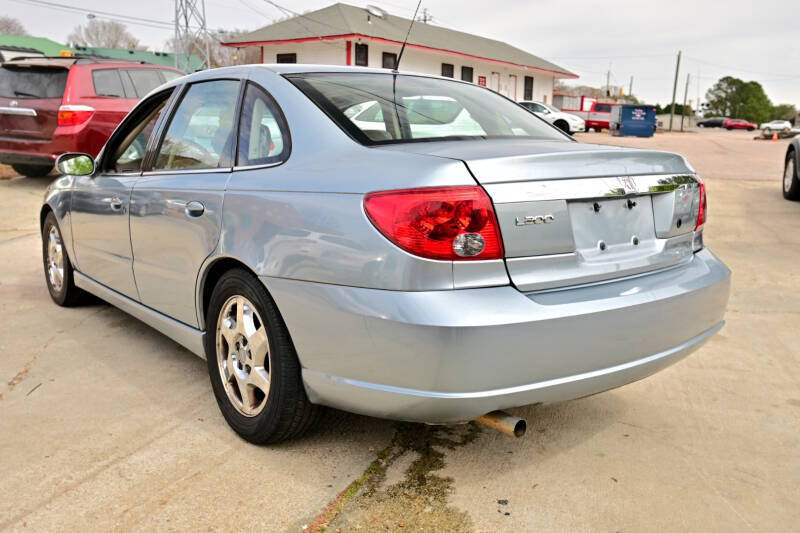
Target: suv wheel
[(252, 363), (791, 181), (32, 171)]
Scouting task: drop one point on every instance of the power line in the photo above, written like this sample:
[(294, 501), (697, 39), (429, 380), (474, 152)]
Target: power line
[(107, 14), (724, 67)]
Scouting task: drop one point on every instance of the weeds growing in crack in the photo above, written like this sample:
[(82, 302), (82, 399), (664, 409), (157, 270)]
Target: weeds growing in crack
[(418, 502)]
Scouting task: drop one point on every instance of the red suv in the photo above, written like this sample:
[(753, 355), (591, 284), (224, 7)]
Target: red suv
[(49, 106), (738, 124)]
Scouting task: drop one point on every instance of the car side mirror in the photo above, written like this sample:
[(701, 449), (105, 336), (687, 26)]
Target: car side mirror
[(75, 164)]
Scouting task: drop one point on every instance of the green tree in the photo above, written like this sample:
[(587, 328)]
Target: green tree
[(732, 97), (784, 112), (678, 109)]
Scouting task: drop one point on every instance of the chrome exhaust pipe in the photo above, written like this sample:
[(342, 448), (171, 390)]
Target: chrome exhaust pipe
[(504, 423)]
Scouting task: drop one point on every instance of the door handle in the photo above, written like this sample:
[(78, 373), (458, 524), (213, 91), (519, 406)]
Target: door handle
[(115, 203), (194, 209)]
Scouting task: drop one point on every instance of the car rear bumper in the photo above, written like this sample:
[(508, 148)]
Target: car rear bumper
[(19, 150), (449, 356)]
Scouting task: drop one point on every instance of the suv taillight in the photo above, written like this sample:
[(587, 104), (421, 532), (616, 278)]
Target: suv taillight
[(448, 223), (701, 212), (74, 115)]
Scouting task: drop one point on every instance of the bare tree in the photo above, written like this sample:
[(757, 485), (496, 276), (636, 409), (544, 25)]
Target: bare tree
[(221, 56), (103, 34), (11, 26)]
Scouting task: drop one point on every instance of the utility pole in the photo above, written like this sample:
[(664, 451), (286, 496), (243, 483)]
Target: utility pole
[(608, 81), (674, 90), (425, 17), (190, 33), (685, 94), (697, 82), (630, 87)]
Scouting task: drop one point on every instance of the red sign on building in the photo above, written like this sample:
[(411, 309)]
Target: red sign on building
[(482, 81)]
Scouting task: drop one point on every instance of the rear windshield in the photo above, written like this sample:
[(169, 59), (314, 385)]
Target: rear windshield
[(378, 108), (32, 82)]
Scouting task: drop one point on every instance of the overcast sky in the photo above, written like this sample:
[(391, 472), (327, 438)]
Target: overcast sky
[(752, 40)]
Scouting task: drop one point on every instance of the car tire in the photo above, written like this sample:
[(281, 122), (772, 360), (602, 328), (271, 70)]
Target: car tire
[(248, 349), (791, 180), (57, 266), (767, 131), (701, 125), (563, 126), (32, 171), (750, 129), (728, 128)]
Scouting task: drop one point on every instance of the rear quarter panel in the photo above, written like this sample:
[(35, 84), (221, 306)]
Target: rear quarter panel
[(304, 219)]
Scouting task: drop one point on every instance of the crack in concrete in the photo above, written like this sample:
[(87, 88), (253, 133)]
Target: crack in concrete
[(418, 502)]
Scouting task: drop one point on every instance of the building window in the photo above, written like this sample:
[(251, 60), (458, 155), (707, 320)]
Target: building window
[(287, 58), (362, 55), (389, 60), (528, 88), (447, 70), (466, 74)]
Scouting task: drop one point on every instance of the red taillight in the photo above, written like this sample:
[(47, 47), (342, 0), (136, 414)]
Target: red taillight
[(450, 223), (701, 213), (74, 115)]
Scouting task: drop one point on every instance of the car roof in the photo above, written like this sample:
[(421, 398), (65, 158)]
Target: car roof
[(67, 62), (302, 68), (299, 68)]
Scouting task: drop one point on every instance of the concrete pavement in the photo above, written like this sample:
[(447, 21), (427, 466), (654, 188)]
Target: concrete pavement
[(106, 424)]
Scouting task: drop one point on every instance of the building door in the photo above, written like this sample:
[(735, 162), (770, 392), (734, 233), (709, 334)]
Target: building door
[(528, 90), (512, 87), (495, 84)]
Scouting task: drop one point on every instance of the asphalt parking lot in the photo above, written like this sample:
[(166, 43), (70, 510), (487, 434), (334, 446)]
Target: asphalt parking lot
[(107, 424)]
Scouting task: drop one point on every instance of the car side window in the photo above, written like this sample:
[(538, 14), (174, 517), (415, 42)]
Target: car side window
[(201, 131), (107, 82), (170, 75), (130, 152), (263, 135), (144, 80)]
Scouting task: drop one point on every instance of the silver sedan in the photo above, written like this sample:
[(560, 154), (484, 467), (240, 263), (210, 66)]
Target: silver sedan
[(397, 245)]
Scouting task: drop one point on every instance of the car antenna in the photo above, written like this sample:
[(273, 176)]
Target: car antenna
[(402, 48)]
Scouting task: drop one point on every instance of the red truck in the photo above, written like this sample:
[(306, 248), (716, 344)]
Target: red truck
[(49, 106), (596, 114)]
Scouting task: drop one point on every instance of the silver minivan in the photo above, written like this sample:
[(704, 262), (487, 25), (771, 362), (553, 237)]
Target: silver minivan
[(456, 256)]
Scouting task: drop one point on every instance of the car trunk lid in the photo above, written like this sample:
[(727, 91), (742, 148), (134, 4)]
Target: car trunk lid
[(572, 213), (30, 96)]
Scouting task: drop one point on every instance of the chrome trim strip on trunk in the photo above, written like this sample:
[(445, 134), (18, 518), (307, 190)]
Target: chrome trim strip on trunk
[(21, 111), (586, 188)]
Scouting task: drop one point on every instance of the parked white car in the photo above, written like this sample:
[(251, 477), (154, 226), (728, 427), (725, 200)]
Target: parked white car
[(431, 115), (565, 121), (776, 125)]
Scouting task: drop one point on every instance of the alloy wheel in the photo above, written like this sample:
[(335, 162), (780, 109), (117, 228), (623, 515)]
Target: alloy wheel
[(788, 174), (243, 356), (55, 259)]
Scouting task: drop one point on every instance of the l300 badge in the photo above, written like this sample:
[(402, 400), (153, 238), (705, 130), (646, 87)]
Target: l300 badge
[(535, 219)]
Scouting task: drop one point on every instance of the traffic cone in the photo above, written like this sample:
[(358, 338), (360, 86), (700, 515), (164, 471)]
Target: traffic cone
[(775, 137)]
